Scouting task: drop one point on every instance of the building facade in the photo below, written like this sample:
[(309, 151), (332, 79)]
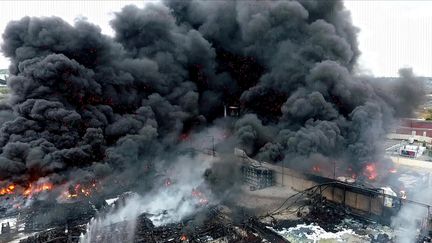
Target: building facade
[(415, 127)]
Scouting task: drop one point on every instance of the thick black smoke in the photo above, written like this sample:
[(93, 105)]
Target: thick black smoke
[(88, 104)]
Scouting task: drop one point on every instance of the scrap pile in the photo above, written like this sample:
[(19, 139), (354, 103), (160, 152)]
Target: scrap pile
[(205, 226), (63, 223), (321, 210), (58, 234), (43, 216)]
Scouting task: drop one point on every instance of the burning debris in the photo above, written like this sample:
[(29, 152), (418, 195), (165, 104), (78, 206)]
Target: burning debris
[(7, 190), (211, 223), (370, 171), (200, 197), (91, 116), (29, 191), (80, 190)]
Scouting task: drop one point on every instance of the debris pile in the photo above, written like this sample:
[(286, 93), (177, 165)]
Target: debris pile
[(321, 219), (209, 224), (41, 222), (321, 210), (57, 235), (43, 216)]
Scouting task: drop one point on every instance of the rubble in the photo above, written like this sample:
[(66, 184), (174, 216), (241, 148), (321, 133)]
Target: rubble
[(41, 222), (59, 234), (212, 224), (331, 222), (45, 216), (317, 218)]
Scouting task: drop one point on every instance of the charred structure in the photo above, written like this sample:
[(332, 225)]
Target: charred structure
[(257, 177), (93, 116)]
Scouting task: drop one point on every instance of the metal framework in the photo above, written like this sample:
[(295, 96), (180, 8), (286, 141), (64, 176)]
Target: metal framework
[(257, 176)]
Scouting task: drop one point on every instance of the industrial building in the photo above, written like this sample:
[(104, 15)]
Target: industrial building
[(254, 173), (257, 176), (377, 204), (414, 127)]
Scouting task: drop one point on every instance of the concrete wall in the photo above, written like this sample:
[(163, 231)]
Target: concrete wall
[(420, 127), (363, 203), (412, 163), (291, 178), (408, 135), (414, 131)]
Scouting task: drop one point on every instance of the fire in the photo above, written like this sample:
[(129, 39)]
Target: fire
[(32, 189), (183, 237), (36, 188), (202, 199), (168, 182), (350, 171), (80, 190), (184, 137), (68, 195), (370, 171), (316, 168), (7, 190)]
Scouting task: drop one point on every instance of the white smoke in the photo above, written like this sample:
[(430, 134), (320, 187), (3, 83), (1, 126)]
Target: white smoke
[(412, 217), (116, 226), (166, 204)]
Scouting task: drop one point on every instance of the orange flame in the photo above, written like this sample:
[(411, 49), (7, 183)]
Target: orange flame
[(36, 188), (7, 190), (202, 199), (30, 190), (80, 191), (370, 171)]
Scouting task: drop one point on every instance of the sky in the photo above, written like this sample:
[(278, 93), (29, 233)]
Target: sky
[(393, 33)]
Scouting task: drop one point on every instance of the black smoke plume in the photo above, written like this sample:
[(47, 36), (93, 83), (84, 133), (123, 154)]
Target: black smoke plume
[(86, 105)]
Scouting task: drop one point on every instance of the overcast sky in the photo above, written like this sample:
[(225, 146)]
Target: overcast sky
[(393, 34)]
